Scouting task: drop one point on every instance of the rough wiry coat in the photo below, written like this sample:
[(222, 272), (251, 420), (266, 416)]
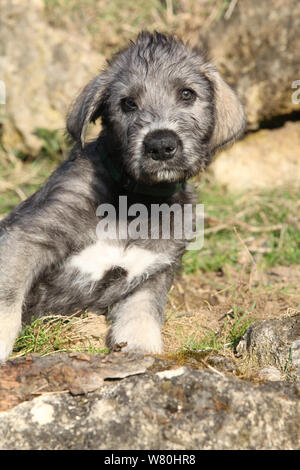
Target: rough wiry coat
[(51, 260)]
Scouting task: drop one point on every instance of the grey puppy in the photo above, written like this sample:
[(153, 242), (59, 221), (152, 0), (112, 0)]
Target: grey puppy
[(165, 111)]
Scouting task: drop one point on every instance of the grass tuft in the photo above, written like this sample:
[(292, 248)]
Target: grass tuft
[(53, 333)]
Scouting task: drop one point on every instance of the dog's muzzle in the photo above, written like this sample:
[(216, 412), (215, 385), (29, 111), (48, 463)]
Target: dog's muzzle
[(161, 144)]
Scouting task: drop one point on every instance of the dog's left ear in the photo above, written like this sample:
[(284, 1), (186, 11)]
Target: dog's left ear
[(230, 121), (87, 108)]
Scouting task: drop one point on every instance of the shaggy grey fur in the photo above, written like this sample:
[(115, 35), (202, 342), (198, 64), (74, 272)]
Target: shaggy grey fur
[(165, 110)]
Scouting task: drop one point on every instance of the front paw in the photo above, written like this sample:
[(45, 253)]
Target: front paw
[(141, 335), (6, 348), (10, 325)]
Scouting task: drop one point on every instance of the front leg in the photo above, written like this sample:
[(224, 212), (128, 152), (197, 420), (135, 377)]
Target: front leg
[(137, 319), (10, 324), (20, 263), (41, 231)]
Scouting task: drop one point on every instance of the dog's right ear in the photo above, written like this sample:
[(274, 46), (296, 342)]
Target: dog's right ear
[(87, 108)]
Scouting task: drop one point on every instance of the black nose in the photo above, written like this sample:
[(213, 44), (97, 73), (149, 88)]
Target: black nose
[(161, 144)]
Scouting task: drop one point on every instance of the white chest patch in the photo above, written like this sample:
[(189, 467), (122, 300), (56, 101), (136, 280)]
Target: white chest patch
[(103, 255)]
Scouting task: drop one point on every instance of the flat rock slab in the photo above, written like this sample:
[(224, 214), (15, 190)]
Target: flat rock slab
[(24, 379), (162, 408)]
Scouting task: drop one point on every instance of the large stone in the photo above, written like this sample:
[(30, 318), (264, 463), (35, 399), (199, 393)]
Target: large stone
[(263, 159), (257, 50), (274, 342), (43, 69), (164, 408)]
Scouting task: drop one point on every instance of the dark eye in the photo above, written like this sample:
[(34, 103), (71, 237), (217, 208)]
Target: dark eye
[(128, 104), (187, 94)]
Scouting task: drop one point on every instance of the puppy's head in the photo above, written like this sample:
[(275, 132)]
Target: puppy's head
[(164, 109)]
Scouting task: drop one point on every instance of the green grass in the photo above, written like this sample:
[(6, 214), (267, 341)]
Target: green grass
[(55, 144), (22, 175), (50, 334), (18, 182), (234, 327), (265, 226)]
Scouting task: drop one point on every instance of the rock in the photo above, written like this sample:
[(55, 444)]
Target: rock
[(221, 363), (270, 373), (263, 159), (173, 409), (43, 69), (276, 343), (257, 51), (77, 373), (191, 410)]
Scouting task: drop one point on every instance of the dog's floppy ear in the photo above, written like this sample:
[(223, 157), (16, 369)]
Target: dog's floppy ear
[(230, 119), (87, 108)]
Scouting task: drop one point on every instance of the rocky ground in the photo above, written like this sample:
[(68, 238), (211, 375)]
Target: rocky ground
[(84, 402)]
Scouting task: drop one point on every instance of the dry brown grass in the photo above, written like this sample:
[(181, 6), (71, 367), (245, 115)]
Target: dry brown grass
[(203, 303)]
